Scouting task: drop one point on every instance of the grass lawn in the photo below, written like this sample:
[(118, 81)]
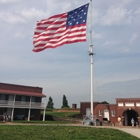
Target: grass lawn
[(42, 122), (63, 114), (19, 132)]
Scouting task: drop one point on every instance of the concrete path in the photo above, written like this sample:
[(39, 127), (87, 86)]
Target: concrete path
[(130, 130), (133, 131)]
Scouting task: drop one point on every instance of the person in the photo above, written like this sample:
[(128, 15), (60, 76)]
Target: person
[(7, 118), (4, 117), (119, 121), (132, 122)]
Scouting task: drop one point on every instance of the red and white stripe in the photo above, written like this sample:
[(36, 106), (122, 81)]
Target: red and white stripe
[(52, 32)]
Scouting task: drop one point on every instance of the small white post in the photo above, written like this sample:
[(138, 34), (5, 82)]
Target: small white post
[(29, 109), (44, 109), (13, 108)]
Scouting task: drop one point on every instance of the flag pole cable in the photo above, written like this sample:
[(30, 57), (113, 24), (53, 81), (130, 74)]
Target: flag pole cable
[(91, 61)]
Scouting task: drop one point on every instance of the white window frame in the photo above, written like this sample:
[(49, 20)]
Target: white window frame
[(100, 112), (138, 104), (113, 113), (120, 104), (129, 104)]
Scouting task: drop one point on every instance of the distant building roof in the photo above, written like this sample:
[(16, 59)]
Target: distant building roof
[(21, 90), (22, 93)]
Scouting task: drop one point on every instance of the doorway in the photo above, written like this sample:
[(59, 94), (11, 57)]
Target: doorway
[(88, 112), (106, 114), (128, 115)]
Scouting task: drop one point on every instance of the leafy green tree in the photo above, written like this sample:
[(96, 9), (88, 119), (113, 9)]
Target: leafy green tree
[(50, 103), (64, 102), (104, 102)]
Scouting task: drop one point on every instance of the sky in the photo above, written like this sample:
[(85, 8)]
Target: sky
[(66, 69)]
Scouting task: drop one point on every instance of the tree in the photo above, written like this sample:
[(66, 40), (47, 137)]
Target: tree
[(50, 103), (64, 102), (104, 102)]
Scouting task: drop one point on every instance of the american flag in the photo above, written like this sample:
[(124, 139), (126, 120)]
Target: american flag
[(61, 29)]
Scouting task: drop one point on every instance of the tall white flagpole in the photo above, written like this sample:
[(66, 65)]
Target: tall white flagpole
[(91, 59)]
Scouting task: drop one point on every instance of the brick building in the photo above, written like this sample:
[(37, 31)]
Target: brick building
[(127, 108), (21, 102)]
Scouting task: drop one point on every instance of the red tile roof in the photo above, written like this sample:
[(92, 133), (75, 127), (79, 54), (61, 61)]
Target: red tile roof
[(22, 93)]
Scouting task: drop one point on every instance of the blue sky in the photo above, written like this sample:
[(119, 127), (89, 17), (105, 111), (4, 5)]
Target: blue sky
[(66, 70)]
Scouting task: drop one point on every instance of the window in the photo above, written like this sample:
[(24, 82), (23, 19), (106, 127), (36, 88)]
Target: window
[(120, 104), (33, 99), (2, 97), (113, 113), (129, 104), (100, 112), (32, 113), (23, 98), (138, 104)]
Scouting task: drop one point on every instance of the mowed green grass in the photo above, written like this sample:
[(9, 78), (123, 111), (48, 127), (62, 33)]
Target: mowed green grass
[(22, 132), (63, 114), (41, 122)]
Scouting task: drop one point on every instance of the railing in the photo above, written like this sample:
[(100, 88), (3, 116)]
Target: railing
[(21, 104), (89, 119), (6, 103), (35, 104)]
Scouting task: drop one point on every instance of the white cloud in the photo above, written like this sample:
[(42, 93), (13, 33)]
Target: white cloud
[(19, 35), (11, 18), (63, 6), (116, 16), (23, 16), (133, 37), (8, 1), (111, 43), (117, 47), (97, 35), (126, 1), (126, 49), (137, 12), (95, 16), (33, 13)]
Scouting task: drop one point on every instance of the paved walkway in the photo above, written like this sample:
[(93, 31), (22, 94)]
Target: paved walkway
[(133, 131)]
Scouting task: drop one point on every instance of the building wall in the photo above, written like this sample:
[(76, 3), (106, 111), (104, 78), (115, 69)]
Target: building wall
[(127, 104), (22, 102), (84, 105), (97, 106), (113, 118), (122, 108)]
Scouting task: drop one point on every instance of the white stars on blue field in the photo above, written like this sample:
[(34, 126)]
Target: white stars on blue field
[(77, 16)]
